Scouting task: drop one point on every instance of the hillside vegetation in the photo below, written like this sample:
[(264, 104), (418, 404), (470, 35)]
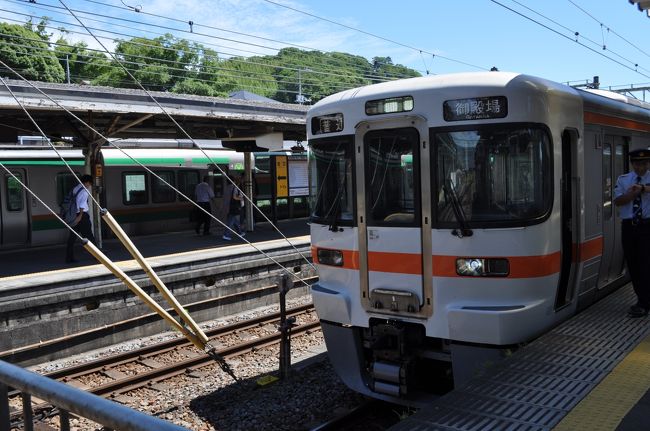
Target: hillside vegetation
[(167, 63)]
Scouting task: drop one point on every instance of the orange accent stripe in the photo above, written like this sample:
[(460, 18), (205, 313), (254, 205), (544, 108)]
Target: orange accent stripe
[(606, 120), (445, 266), (591, 248), (402, 263), (520, 266)]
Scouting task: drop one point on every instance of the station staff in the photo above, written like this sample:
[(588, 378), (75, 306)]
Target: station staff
[(204, 196), (82, 224), (632, 196)]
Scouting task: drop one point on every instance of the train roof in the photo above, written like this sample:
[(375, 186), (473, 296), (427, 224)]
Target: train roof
[(179, 157), (432, 82), (482, 83)]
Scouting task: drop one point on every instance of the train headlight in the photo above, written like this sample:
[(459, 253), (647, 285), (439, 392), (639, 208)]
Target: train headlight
[(482, 267), (330, 257)]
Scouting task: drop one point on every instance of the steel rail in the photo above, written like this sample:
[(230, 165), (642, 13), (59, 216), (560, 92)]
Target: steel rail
[(30, 351), (163, 372), (99, 365)]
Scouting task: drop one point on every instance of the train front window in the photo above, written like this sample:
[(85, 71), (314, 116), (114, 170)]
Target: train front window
[(331, 181), (391, 185), (493, 176)]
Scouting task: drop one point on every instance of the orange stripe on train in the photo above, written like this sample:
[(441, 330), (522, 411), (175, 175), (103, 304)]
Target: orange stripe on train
[(445, 266), (606, 120)]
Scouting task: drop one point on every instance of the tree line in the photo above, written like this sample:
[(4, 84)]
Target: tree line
[(168, 63)]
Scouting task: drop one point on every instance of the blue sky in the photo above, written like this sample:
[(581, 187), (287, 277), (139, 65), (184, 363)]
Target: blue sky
[(416, 33)]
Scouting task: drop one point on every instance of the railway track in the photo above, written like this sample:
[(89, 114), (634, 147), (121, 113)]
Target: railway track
[(118, 374), (47, 348)]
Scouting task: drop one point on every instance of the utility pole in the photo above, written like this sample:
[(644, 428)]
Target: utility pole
[(67, 67), (300, 98)]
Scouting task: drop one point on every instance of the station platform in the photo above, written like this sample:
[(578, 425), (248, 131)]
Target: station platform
[(592, 372), (16, 262)]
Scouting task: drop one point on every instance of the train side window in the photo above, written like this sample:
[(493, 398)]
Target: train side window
[(161, 192), (607, 181), (218, 180), (187, 181), (15, 195), (134, 188), (65, 181)]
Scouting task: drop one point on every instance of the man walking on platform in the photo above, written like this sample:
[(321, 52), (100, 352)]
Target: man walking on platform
[(204, 196), (82, 224), (633, 200)]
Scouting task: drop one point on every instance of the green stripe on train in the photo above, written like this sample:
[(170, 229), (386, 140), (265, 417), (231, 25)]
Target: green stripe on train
[(50, 224), (180, 161), (43, 162)]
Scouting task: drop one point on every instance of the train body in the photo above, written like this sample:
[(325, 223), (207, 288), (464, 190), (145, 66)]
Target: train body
[(140, 202), (457, 216)]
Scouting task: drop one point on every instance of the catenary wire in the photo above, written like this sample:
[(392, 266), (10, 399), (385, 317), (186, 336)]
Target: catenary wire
[(201, 149), (609, 28), (567, 37), (154, 174), (321, 69), (140, 24)]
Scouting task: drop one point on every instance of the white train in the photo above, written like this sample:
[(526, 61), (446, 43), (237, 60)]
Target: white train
[(456, 216), (141, 203)]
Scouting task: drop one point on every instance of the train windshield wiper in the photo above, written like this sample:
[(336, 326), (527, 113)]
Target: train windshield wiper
[(335, 211), (452, 197)]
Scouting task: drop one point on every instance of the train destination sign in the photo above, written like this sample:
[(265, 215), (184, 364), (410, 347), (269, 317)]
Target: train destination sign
[(327, 124), (478, 108)]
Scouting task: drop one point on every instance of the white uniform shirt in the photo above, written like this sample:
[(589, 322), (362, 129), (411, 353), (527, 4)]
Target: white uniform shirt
[(203, 192), (623, 184), (81, 197)]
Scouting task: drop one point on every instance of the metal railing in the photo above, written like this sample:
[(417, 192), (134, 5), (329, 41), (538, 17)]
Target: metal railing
[(69, 400)]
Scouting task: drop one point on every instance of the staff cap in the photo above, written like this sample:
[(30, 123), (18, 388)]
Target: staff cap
[(639, 155)]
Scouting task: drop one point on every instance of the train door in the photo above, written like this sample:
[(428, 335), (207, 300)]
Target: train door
[(613, 165), (394, 207), (568, 215), (14, 214)]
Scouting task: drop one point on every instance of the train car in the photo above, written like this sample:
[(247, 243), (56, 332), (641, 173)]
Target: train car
[(140, 202), (458, 216)]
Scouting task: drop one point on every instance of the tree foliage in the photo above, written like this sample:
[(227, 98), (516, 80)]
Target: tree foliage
[(168, 63), (26, 49)]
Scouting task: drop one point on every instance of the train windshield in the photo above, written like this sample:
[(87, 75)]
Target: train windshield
[(494, 175), (331, 186)]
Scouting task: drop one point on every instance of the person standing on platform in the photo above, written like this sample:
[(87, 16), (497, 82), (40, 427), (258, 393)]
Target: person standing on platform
[(82, 224), (204, 196), (632, 197), (233, 201)]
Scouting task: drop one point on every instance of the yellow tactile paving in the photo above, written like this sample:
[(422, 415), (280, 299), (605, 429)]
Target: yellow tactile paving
[(607, 404)]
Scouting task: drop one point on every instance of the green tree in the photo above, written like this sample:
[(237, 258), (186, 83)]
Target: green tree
[(158, 64), (383, 69), (26, 49), (84, 64)]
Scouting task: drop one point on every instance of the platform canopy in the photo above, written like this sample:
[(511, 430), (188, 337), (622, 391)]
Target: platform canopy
[(128, 113)]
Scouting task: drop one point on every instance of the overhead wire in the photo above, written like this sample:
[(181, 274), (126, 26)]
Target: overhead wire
[(322, 69), (233, 73), (374, 35), (609, 28), (140, 24), (577, 34), (151, 172), (181, 129), (567, 37)]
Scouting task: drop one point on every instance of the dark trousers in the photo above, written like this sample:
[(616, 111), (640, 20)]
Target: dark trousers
[(83, 228), (204, 219), (636, 247)]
